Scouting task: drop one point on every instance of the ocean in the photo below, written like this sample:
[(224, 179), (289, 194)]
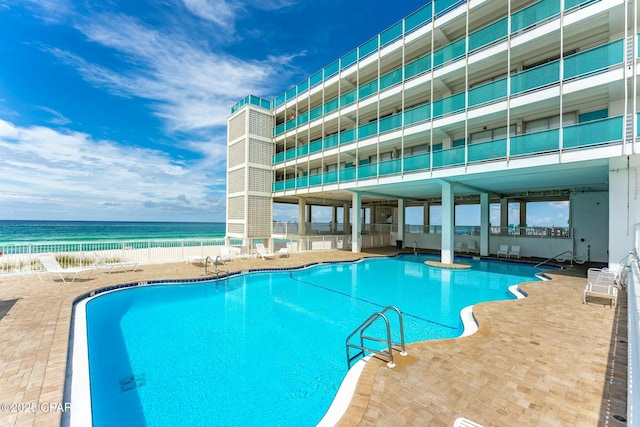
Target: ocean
[(17, 231)]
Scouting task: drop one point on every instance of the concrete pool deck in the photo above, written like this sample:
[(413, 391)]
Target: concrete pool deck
[(544, 360)]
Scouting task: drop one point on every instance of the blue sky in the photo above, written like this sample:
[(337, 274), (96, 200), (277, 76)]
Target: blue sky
[(116, 109)]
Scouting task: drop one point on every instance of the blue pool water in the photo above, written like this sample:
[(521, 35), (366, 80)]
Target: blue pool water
[(268, 348)]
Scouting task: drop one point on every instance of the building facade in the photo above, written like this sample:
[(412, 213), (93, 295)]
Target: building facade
[(489, 101)]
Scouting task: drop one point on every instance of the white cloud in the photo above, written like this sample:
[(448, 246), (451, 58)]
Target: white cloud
[(220, 12), (70, 173)]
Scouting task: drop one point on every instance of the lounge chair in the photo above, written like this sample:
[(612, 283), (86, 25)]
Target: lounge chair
[(52, 266), (225, 253), (102, 264), (601, 284), (471, 247), (514, 252), (463, 422), (283, 252), (457, 247), (262, 252), (504, 250)]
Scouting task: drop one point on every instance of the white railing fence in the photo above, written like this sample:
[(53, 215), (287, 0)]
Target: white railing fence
[(632, 267)]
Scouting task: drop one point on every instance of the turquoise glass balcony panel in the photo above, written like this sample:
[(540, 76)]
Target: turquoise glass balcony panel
[(418, 162), (315, 180), (533, 14), (290, 124), (330, 141), (368, 89), (348, 174), (331, 70), (315, 79), (391, 79), (365, 131), (569, 4), (315, 146), (315, 113), (490, 150), (348, 136), (417, 114), (391, 34), (449, 52), (418, 18), (390, 123), (448, 105), (331, 106), (348, 59), (449, 157), (302, 87), (593, 60), (367, 171), (291, 93), (303, 118), (368, 48), (443, 6), (538, 142), (492, 91), (330, 177), (290, 154), (417, 67), (489, 34), (302, 150), (348, 98), (290, 184), (279, 129), (280, 100), (535, 78), (591, 133), (278, 158), (390, 167), (302, 182), (278, 186)]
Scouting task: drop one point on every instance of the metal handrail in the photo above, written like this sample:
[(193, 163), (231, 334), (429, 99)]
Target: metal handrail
[(554, 257), (365, 325), (215, 264)]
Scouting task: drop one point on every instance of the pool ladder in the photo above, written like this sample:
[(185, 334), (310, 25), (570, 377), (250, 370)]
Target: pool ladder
[(216, 264), (388, 351)]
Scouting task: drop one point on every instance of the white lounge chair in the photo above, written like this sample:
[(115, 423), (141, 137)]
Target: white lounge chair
[(463, 422), (471, 247), (52, 266), (504, 250), (514, 252), (102, 264), (601, 284), (225, 253), (457, 247), (283, 252), (262, 252)]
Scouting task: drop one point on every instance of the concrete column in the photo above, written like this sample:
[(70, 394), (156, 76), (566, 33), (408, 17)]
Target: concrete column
[(302, 208), (426, 214), (504, 215), (356, 231), (485, 230), (448, 228), (624, 208), (401, 221), (523, 214), (346, 219)]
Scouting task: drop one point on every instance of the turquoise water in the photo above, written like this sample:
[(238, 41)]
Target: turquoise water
[(69, 231), (267, 348)]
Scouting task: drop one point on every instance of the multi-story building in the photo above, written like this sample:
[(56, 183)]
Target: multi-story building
[(481, 101)]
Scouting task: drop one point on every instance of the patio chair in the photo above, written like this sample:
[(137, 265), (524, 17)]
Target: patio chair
[(504, 250), (52, 266), (601, 283), (225, 253), (471, 247), (283, 252), (457, 247), (102, 264), (262, 252), (514, 252)]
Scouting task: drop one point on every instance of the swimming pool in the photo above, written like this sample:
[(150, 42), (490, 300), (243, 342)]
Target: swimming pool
[(265, 348)]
